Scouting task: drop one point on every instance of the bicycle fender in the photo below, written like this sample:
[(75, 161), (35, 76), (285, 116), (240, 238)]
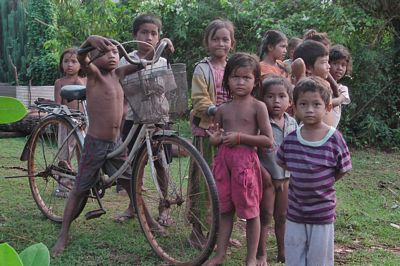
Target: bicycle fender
[(25, 151)]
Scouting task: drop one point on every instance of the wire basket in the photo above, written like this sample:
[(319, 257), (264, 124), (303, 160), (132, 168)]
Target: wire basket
[(157, 95)]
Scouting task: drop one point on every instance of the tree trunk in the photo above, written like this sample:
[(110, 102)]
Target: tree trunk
[(24, 126)]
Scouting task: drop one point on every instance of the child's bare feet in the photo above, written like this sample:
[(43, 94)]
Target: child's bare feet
[(251, 262), (59, 246), (234, 243), (280, 258), (216, 260), (128, 214), (262, 260), (156, 227), (164, 218)]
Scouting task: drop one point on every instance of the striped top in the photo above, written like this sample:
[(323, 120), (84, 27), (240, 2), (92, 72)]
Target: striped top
[(312, 195)]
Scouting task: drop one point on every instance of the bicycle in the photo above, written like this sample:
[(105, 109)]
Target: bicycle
[(157, 155)]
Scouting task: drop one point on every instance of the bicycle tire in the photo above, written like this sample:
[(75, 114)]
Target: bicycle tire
[(48, 190), (175, 247)]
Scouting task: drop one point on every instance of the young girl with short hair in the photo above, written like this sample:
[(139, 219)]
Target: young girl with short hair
[(272, 52), (240, 125)]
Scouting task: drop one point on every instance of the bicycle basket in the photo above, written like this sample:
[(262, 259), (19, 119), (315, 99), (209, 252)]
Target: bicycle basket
[(152, 94)]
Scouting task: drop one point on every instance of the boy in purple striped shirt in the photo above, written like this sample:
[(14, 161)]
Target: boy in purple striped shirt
[(316, 156)]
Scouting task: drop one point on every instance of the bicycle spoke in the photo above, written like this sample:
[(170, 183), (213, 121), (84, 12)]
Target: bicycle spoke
[(183, 212)]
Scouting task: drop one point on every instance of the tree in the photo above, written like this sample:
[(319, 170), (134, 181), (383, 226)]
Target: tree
[(42, 57), (13, 41)]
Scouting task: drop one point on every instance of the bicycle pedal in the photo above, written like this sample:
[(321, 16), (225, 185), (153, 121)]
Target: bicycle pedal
[(94, 214)]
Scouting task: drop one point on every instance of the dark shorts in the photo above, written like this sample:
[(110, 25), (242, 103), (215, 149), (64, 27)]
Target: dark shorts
[(93, 159)]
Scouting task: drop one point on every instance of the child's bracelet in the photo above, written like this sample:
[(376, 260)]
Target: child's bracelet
[(238, 139)]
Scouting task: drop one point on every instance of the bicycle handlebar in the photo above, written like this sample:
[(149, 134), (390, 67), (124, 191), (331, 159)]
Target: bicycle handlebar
[(160, 49)]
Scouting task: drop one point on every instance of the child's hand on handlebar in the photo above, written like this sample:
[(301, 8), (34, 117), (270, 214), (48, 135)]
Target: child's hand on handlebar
[(170, 47), (100, 43)]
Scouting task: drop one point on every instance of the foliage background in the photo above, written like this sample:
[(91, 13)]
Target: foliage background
[(39, 32)]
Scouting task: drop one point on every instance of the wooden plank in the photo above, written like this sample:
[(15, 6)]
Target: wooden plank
[(29, 97), (8, 90)]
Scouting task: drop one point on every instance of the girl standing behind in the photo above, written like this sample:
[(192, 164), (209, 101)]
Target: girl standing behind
[(207, 96), (341, 65), (272, 52), (72, 75), (241, 125)]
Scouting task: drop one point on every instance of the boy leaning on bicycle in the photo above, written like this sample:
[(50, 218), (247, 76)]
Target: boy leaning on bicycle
[(105, 100)]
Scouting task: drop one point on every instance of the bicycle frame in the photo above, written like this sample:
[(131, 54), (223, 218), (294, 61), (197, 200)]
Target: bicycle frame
[(145, 133)]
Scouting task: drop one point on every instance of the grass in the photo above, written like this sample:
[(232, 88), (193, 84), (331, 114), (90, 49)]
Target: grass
[(368, 203)]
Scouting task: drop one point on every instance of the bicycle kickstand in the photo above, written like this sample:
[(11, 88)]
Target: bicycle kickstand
[(98, 212)]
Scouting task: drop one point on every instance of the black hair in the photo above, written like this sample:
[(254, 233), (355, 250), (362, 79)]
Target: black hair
[(337, 52), (321, 37), (271, 38), (214, 26), (309, 51), (72, 51), (242, 60), (146, 18), (276, 80), (294, 42), (313, 84)]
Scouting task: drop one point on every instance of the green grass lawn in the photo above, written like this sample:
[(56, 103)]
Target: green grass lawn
[(368, 206)]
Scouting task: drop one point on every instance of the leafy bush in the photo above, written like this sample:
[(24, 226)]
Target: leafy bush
[(35, 255), (42, 68)]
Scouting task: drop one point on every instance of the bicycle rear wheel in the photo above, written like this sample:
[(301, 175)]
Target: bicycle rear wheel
[(188, 224), (54, 154)]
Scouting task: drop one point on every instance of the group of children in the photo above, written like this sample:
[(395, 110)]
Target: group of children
[(266, 127), (289, 111)]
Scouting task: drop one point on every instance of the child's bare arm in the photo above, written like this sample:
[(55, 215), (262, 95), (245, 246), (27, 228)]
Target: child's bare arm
[(57, 90), (298, 70), (338, 100), (264, 124), (98, 42), (215, 131), (334, 86), (128, 69), (339, 176)]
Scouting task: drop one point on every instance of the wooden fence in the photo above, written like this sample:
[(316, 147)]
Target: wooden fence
[(27, 94)]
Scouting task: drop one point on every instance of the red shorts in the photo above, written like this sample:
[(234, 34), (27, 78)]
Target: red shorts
[(238, 177)]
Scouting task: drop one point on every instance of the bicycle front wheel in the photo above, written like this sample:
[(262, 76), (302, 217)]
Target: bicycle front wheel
[(186, 203), (54, 154)]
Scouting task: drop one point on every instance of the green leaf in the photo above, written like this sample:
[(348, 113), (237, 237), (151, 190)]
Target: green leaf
[(36, 255), (8, 256)]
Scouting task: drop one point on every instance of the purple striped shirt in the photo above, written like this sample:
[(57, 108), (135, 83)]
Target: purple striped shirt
[(313, 165)]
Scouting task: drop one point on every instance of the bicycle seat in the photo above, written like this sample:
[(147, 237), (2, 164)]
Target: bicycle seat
[(73, 92)]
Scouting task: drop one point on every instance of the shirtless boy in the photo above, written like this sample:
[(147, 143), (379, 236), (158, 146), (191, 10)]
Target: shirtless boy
[(105, 102)]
